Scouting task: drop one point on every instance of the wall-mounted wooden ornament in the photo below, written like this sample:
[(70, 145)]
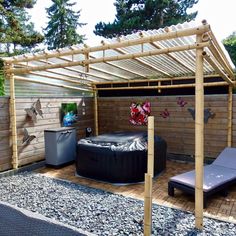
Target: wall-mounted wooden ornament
[(164, 114), (207, 114), (181, 102), (35, 110), (27, 138)]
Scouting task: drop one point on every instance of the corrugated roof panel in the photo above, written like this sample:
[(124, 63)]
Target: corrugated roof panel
[(134, 64)]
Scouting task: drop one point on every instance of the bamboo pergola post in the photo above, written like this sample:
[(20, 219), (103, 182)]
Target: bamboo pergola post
[(96, 112), (13, 119), (150, 163), (148, 205), (148, 179), (199, 136), (230, 114)]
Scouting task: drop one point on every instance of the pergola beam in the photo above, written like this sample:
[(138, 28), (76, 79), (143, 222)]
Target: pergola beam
[(216, 68), (112, 58), (171, 86), (175, 34), (155, 80), (221, 60), (214, 40)]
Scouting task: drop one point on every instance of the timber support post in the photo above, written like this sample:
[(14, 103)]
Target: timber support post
[(148, 179), (13, 127), (199, 136)]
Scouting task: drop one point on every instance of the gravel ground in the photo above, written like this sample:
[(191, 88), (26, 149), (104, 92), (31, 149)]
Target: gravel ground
[(97, 211)]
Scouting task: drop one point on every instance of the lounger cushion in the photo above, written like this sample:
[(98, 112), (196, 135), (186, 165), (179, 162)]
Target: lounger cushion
[(227, 158), (214, 176)]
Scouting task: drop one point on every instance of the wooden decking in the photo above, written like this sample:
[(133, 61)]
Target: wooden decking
[(219, 207)]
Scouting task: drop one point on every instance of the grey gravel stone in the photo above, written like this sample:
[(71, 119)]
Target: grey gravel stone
[(97, 211)]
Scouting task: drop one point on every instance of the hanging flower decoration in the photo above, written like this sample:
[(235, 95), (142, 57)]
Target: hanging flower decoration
[(139, 113)]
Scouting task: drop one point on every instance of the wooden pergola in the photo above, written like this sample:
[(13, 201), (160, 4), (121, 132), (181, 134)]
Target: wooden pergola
[(159, 59)]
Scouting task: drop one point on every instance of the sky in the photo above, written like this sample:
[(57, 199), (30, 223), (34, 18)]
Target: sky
[(218, 13)]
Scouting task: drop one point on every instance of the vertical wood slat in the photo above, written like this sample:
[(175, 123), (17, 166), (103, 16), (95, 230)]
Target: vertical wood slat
[(148, 179), (230, 116), (199, 137)]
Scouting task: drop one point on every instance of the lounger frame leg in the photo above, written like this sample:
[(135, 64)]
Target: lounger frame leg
[(171, 190), (204, 202), (224, 193)]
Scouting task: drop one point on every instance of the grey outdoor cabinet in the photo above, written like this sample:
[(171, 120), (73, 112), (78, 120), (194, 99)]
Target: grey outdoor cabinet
[(60, 145)]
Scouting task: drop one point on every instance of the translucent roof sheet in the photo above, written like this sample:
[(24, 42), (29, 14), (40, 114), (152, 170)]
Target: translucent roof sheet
[(152, 54)]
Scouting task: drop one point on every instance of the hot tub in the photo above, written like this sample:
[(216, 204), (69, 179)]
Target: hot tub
[(119, 157)]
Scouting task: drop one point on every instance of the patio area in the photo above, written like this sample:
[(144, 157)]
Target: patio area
[(103, 83), (219, 207)]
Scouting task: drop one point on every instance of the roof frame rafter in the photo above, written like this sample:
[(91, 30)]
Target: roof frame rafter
[(111, 58)]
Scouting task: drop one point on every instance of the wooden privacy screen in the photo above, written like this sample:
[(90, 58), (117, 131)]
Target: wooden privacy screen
[(177, 128), (5, 146), (51, 119)]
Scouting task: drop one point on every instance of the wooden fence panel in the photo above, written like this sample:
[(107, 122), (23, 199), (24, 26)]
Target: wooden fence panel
[(178, 128), (5, 142), (51, 119)]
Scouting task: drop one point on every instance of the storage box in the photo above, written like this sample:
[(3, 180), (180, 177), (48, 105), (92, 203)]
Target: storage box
[(60, 145)]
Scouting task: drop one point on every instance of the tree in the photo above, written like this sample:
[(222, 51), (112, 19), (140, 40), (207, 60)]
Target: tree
[(62, 26), (230, 45), (134, 15), (15, 26)]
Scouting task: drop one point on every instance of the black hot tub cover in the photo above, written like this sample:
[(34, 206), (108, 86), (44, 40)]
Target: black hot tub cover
[(119, 141), (119, 157)]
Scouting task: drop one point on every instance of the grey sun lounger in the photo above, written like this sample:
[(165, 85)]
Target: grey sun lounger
[(218, 176)]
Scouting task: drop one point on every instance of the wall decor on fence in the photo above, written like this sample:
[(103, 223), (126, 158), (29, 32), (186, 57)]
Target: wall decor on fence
[(165, 114), (68, 113), (139, 113), (27, 138), (207, 114), (181, 102), (35, 110)]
